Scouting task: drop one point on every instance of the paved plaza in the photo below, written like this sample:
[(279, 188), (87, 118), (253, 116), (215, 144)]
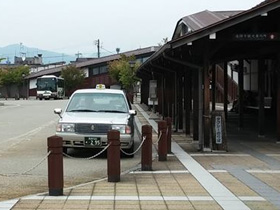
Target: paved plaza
[(246, 177)]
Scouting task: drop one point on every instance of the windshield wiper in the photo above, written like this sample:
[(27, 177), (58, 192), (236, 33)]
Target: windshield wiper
[(112, 111), (82, 110)]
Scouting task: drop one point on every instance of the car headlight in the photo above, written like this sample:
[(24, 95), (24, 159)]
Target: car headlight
[(65, 127), (124, 129)]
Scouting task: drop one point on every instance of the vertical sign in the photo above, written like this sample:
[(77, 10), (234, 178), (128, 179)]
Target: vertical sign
[(219, 129), (153, 89)]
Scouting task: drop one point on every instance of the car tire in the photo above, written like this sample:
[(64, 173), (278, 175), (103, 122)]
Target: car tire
[(65, 150)]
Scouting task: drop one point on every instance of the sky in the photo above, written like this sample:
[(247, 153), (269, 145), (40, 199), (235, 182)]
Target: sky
[(71, 26)]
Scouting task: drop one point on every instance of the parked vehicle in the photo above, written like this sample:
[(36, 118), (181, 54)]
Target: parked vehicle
[(50, 86), (90, 114)]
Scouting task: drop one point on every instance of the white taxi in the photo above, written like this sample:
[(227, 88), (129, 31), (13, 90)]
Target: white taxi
[(90, 114)]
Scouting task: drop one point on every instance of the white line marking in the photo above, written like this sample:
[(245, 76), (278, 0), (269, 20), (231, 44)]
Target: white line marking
[(160, 172), (174, 172), (140, 198), (200, 198), (218, 155), (225, 198), (175, 198), (24, 136), (79, 198), (264, 171), (103, 198), (8, 204), (126, 198), (251, 198), (217, 171), (273, 155)]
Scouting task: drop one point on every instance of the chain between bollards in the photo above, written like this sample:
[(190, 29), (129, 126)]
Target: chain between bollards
[(89, 158), (133, 153)]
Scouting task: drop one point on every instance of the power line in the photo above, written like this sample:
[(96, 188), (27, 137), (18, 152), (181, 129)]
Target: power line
[(107, 50)]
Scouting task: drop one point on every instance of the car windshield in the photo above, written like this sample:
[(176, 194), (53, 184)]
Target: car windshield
[(98, 102)]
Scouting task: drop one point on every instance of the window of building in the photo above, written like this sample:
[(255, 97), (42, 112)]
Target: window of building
[(103, 69), (95, 71)]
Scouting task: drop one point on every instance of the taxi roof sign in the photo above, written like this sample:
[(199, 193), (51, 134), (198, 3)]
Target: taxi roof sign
[(100, 86)]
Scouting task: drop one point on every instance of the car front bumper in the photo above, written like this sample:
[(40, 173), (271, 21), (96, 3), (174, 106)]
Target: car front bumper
[(72, 140)]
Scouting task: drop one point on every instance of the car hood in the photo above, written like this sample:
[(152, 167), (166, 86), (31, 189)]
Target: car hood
[(92, 117)]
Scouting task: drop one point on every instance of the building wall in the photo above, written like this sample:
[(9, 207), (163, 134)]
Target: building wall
[(12, 91)]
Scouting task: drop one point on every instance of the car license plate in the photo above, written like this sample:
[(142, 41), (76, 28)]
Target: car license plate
[(92, 141)]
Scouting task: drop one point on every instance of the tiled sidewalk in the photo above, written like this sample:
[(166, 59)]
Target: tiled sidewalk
[(187, 180)]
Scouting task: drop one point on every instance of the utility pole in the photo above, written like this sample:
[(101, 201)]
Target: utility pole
[(22, 54), (78, 54), (97, 43)]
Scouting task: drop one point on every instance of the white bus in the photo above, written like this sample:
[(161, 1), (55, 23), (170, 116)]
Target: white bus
[(50, 86)]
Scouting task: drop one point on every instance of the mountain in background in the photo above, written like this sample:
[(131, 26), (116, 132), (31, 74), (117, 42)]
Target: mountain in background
[(10, 51)]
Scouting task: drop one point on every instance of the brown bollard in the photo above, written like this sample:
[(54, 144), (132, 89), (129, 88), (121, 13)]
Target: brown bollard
[(169, 131), (162, 144), (55, 166), (113, 156), (146, 155)]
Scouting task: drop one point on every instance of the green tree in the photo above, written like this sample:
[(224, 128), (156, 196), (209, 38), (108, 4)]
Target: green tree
[(13, 76), (2, 72), (19, 73), (122, 71), (73, 77)]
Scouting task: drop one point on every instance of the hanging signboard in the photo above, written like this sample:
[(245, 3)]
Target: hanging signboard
[(153, 90), (256, 36)]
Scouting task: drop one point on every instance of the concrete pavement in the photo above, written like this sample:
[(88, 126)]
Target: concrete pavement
[(238, 179)]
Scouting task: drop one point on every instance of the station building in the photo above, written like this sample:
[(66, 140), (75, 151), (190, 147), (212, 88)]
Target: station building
[(219, 56)]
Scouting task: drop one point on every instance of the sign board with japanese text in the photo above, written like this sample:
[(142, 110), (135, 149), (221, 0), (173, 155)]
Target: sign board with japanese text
[(219, 140)]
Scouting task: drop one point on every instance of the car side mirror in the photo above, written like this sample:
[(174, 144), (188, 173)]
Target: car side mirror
[(133, 112), (58, 111)]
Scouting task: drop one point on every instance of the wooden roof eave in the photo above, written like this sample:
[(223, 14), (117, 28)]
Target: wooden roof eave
[(184, 63), (223, 24), (154, 56)]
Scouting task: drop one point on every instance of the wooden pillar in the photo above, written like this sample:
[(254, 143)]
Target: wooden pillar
[(195, 105), (187, 100), (225, 90), (200, 109), (278, 99), (261, 80), (171, 96), (164, 101), (175, 104), (206, 105), (213, 87), (241, 93), (160, 95), (145, 89), (180, 101)]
